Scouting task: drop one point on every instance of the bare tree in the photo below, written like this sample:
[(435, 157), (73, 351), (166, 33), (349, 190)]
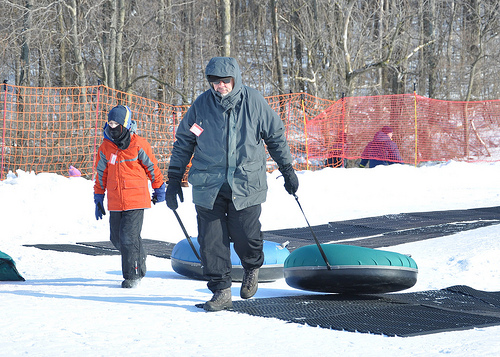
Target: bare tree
[(63, 80), (226, 27), (429, 55), (24, 68), (71, 5), (158, 48), (273, 4)]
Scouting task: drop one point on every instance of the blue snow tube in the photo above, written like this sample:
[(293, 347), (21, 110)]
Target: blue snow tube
[(184, 261), (354, 270)]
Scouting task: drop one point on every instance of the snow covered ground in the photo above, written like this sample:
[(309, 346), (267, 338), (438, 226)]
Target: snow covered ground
[(72, 304)]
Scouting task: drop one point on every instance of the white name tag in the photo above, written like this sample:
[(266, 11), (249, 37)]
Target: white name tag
[(113, 159), (196, 129)]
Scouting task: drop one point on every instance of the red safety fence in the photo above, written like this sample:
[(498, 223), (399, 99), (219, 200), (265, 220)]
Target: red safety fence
[(51, 129), (424, 129)]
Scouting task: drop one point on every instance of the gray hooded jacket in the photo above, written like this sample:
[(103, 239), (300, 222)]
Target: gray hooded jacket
[(230, 147)]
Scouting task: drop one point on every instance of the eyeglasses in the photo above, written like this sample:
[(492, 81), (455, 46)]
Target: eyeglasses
[(223, 80)]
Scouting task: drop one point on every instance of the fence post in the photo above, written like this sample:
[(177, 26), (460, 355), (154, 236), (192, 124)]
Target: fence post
[(416, 122), (4, 123), (305, 131), (95, 131), (287, 122), (344, 137)]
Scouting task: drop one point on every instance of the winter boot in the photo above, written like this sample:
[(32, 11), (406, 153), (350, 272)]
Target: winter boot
[(250, 283), (130, 283), (220, 301)]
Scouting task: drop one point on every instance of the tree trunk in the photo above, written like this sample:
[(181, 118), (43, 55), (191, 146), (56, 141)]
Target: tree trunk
[(273, 4), (71, 5), (226, 27), (189, 45), (120, 21), (112, 45), (428, 52), (297, 53), (62, 47), (25, 46)]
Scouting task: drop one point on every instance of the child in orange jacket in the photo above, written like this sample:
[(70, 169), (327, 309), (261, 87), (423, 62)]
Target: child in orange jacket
[(125, 162)]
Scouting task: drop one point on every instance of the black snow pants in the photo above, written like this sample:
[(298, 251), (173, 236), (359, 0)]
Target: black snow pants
[(125, 227), (221, 225)]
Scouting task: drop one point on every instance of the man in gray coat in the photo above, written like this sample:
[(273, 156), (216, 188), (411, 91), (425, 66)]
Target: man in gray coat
[(223, 134)]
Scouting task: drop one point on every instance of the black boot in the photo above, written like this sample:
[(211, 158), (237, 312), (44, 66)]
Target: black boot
[(130, 283), (221, 300), (250, 283)]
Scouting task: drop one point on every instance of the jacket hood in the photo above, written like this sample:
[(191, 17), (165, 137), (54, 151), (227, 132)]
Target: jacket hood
[(381, 136), (225, 67)]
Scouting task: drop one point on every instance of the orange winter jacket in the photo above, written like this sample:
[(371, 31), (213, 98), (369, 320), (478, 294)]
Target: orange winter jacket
[(125, 173)]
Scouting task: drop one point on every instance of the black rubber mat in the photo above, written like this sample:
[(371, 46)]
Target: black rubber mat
[(389, 230), (157, 248), (372, 232), (73, 248), (153, 247), (411, 314)]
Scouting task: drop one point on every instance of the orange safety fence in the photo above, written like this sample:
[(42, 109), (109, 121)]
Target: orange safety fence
[(51, 129)]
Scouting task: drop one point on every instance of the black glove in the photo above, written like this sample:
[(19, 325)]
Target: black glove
[(291, 180), (173, 190)]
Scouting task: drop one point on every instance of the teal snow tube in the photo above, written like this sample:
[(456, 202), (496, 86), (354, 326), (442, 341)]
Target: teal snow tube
[(354, 270)]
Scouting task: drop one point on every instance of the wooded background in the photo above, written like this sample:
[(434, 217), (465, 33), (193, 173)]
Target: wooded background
[(158, 49)]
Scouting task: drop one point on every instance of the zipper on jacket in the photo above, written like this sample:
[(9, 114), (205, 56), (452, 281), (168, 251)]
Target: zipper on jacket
[(228, 124), (118, 180)]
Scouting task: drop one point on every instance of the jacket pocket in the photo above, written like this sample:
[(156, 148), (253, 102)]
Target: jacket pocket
[(252, 176), (135, 193)]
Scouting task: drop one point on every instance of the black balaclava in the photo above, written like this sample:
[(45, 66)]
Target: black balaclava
[(120, 136), (116, 132)]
